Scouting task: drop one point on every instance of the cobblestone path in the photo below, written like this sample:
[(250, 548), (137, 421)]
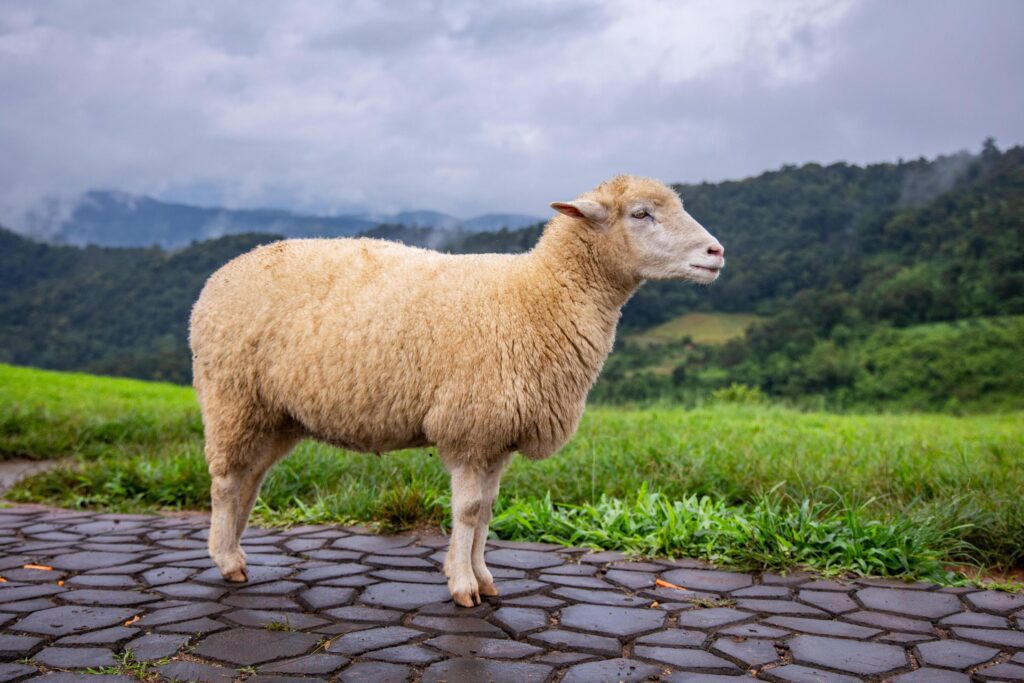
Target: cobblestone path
[(328, 603)]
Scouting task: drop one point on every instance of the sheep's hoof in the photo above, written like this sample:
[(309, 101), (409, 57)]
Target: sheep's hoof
[(466, 599), (489, 590), (237, 576)]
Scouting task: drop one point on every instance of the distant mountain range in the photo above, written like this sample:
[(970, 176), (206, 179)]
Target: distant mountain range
[(118, 219)]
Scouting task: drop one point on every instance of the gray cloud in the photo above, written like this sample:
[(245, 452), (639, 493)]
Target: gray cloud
[(469, 107)]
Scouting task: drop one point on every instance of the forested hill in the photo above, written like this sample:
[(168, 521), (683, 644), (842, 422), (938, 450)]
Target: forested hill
[(901, 243)]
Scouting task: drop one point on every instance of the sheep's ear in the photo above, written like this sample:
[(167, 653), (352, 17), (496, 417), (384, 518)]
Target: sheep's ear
[(582, 208)]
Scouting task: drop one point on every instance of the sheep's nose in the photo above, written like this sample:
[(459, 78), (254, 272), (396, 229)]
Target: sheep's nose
[(716, 249)]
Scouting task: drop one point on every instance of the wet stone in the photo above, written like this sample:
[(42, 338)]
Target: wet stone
[(674, 638), (584, 642), (824, 627), (910, 602), (521, 620), (74, 657), (318, 663), (510, 589), (269, 618), (106, 636), (754, 631), (954, 654), (522, 559), (573, 570), (411, 575), (33, 576), (255, 574), (272, 588), (69, 677), (975, 619), (906, 638), (375, 672), (996, 601), (200, 626), (9, 672), (751, 652), (630, 579), (366, 614), (762, 592), (89, 559), (930, 675), (1005, 671), (156, 646), (100, 581), (405, 654), (322, 597), (542, 601), (15, 646), (450, 609), (707, 579), (473, 646), (463, 625), (247, 646), (890, 622), (60, 621), (13, 594), (372, 544), (847, 655), (830, 601), (470, 669), (195, 671), (195, 591), (372, 639), (331, 571), (991, 636), (577, 581), (611, 670), (403, 596), (711, 618), (620, 621), (107, 597), (133, 568), (689, 677), (611, 598), (686, 658), (790, 579), (796, 673), (183, 613), (778, 607), (165, 575)]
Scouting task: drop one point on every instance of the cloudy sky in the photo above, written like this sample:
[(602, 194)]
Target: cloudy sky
[(469, 107)]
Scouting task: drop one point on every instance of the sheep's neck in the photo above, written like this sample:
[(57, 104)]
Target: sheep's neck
[(581, 291)]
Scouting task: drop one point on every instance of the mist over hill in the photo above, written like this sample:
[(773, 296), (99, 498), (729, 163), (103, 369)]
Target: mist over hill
[(119, 219)]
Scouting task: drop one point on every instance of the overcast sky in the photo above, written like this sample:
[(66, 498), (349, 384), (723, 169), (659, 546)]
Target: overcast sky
[(470, 107)]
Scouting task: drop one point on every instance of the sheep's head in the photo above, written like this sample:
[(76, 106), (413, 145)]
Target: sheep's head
[(661, 240)]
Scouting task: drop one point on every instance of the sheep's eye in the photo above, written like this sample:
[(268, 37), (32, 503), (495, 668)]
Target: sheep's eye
[(640, 213)]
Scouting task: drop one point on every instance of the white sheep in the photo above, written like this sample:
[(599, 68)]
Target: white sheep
[(374, 346)]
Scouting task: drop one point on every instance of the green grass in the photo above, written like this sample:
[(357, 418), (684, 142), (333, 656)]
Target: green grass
[(702, 328), (747, 485)]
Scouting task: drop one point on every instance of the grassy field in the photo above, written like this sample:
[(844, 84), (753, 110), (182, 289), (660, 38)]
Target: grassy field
[(702, 328), (903, 495)]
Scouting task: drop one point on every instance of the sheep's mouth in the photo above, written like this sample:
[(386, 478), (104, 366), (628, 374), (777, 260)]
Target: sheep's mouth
[(706, 274)]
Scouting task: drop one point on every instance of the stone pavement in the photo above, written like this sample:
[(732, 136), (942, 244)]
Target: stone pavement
[(328, 603)]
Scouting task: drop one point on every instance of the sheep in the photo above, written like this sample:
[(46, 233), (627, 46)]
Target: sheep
[(374, 346)]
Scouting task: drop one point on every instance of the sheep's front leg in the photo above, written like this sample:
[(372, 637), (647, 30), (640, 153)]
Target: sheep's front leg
[(489, 484), (467, 501)]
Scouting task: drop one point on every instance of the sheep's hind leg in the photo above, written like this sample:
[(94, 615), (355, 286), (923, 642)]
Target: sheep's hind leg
[(490, 482), (263, 458), (466, 508), (227, 553)]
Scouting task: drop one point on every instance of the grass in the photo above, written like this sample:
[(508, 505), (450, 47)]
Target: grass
[(754, 486), (701, 328)]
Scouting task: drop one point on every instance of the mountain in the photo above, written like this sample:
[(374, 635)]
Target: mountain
[(118, 219)]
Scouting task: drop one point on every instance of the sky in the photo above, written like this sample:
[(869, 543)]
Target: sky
[(472, 107)]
